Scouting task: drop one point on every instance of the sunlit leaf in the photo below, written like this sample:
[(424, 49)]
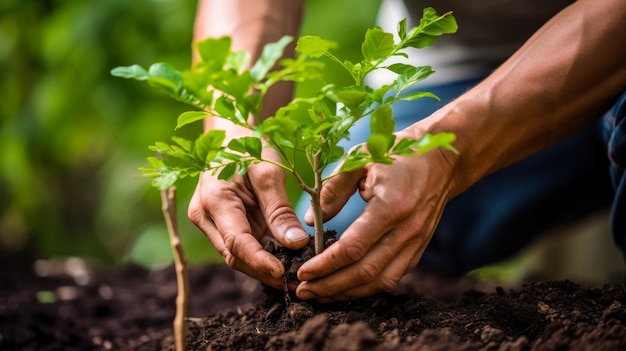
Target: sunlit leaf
[(382, 120), (249, 145), (135, 71), (214, 50), (190, 117), (165, 76), (228, 171), (314, 46), (377, 45), (430, 29), (208, 145), (271, 53)]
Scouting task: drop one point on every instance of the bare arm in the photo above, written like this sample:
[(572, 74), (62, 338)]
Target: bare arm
[(241, 215), (251, 25), (567, 74)]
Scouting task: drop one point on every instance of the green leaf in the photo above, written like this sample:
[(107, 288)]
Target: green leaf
[(190, 117), (166, 179), (377, 146), (410, 76), (431, 27), (249, 145), (186, 145), (238, 60), (135, 72), (314, 46), (400, 68), (271, 53), (283, 130), (207, 146), (335, 154), (382, 120), (402, 29), (409, 147), (377, 45), (163, 75), (225, 109), (433, 24), (356, 159), (439, 140), (352, 97), (155, 162), (214, 51), (235, 85), (196, 85), (418, 95), (228, 171)]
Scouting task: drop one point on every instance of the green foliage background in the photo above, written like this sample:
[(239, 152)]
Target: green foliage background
[(72, 136)]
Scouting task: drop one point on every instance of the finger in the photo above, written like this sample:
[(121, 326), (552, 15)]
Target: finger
[(232, 237), (377, 219), (335, 193), (268, 184), (366, 270), (326, 289)]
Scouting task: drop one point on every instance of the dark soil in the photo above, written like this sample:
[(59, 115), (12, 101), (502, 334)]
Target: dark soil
[(133, 310)]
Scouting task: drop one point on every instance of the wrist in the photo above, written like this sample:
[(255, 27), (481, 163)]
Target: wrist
[(473, 161)]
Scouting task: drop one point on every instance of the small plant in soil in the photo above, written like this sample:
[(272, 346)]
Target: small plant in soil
[(223, 83)]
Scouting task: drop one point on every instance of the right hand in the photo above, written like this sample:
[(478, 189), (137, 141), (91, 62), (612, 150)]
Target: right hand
[(242, 215)]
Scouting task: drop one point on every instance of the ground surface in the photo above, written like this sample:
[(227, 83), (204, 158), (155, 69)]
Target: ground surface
[(73, 308)]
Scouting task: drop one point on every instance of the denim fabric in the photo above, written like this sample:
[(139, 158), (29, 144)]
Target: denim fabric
[(614, 133), (497, 216)]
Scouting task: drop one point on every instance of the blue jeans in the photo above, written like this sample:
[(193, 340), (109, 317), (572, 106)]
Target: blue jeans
[(497, 216)]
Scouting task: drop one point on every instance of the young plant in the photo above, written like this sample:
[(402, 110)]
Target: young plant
[(220, 84)]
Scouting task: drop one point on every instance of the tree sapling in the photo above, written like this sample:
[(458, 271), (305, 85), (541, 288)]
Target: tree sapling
[(223, 84), (220, 85)]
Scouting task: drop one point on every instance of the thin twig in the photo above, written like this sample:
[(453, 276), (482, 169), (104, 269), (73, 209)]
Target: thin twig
[(168, 202)]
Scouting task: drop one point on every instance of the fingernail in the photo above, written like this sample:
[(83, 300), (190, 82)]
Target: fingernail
[(308, 216), (304, 276), (295, 235), (277, 274), (306, 295)]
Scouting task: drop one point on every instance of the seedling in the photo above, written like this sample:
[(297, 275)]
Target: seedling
[(220, 84)]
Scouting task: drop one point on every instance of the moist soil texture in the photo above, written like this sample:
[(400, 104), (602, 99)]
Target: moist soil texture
[(65, 305)]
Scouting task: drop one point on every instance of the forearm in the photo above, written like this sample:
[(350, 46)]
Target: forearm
[(567, 74), (251, 24)]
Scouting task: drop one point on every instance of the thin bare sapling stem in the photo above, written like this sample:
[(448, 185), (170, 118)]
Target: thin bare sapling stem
[(168, 202)]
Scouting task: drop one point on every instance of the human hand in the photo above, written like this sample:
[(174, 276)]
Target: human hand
[(405, 201), (242, 215)]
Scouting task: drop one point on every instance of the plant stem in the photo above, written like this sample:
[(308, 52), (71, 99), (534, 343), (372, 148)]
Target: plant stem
[(168, 202), (318, 219)]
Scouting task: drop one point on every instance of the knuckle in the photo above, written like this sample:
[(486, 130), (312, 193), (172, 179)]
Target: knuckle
[(387, 284), (229, 258), (233, 247), (367, 272), (397, 205), (194, 213), (265, 176), (355, 251), (279, 213), (329, 192), (325, 290)]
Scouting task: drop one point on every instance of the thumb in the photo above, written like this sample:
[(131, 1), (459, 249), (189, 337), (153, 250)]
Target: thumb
[(335, 193), (274, 203)]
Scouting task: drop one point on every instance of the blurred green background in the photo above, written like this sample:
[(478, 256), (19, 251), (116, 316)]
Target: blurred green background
[(72, 136)]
